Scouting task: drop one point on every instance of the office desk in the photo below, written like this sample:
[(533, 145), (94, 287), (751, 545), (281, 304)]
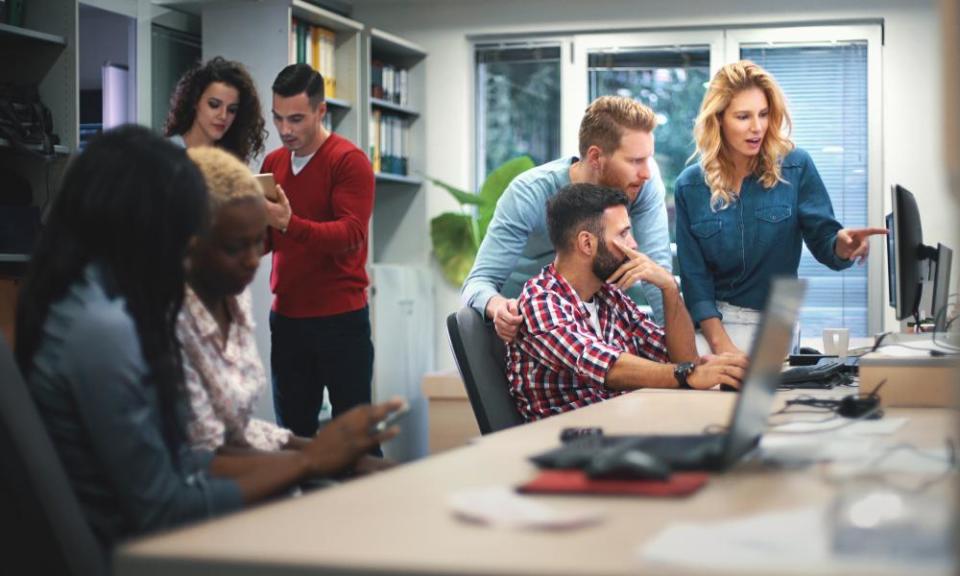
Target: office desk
[(398, 522)]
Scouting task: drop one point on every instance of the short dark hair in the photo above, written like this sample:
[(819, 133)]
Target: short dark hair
[(297, 78), (577, 207)]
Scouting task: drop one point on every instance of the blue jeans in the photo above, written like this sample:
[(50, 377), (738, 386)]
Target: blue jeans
[(309, 355)]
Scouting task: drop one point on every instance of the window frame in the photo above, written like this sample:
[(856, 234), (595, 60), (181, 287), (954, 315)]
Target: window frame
[(576, 97), (479, 148)]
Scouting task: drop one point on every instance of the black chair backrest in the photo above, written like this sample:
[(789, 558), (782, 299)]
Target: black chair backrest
[(481, 358), (44, 530)]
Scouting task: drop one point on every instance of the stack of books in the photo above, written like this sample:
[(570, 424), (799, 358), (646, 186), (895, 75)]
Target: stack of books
[(389, 149), (389, 82)]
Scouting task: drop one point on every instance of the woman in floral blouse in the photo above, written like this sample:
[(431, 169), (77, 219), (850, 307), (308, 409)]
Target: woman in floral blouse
[(223, 372)]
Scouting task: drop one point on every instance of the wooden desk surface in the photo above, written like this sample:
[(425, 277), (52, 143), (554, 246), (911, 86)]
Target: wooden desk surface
[(398, 522)]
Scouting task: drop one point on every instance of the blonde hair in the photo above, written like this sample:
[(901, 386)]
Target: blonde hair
[(606, 119), (227, 178), (718, 167)]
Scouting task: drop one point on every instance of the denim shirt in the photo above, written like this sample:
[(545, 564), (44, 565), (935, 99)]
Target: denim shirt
[(731, 255), (517, 246)]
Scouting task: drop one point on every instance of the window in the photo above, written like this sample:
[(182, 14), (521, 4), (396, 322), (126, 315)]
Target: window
[(826, 87), (518, 104)]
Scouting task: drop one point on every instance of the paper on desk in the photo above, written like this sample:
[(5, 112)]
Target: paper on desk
[(501, 506), (896, 459), (779, 542), (883, 426), (802, 449), (918, 349)]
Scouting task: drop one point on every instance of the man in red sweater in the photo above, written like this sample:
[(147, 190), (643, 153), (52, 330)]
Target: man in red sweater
[(320, 322)]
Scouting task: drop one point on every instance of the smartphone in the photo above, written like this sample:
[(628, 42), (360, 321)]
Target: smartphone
[(267, 184), (391, 419)]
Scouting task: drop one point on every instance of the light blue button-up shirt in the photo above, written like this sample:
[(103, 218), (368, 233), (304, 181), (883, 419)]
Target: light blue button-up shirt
[(517, 245), (731, 255)]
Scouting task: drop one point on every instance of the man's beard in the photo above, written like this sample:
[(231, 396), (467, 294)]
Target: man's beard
[(605, 263)]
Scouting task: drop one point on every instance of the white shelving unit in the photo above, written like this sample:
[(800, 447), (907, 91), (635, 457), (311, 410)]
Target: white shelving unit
[(400, 229), (402, 285)]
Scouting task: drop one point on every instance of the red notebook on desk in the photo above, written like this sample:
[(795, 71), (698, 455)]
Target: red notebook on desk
[(577, 482)]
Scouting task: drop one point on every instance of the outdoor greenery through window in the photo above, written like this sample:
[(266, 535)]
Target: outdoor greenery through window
[(518, 104), (671, 81)]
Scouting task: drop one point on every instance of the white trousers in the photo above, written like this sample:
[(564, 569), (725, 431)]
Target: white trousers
[(740, 324)]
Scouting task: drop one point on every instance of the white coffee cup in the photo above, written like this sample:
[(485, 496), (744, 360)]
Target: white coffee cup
[(836, 342)]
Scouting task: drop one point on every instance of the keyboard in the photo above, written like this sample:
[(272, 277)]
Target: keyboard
[(823, 373)]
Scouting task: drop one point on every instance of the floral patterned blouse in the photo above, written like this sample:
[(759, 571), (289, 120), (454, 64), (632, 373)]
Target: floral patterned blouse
[(224, 381)]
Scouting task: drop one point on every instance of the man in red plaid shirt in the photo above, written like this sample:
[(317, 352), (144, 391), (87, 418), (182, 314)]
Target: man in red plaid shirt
[(582, 340)]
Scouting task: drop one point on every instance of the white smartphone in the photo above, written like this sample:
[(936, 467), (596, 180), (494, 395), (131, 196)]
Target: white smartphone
[(267, 184), (391, 419)]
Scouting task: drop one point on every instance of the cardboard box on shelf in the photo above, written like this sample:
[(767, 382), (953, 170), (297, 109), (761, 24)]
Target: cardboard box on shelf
[(917, 380)]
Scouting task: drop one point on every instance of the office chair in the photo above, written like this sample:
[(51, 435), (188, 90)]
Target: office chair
[(481, 359), (44, 531)]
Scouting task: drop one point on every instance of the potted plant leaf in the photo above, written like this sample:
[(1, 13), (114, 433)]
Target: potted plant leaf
[(456, 236)]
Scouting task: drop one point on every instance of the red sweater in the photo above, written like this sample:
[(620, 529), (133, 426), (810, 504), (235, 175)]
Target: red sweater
[(319, 263)]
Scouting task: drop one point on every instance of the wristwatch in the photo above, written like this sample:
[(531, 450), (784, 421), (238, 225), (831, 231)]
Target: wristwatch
[(681, 371)]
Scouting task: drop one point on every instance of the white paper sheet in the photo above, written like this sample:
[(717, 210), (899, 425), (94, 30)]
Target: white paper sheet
[(793, 541), (895, 460), (501, 506), (804, 448), (841, 426), (790, 542)]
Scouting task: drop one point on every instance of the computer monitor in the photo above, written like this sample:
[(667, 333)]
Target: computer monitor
[(941, 287), (911, 263)]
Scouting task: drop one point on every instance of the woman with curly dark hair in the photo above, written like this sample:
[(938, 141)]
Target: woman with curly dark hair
[(216, 104)]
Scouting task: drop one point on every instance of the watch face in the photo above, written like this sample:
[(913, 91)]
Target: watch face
[(681, 372)]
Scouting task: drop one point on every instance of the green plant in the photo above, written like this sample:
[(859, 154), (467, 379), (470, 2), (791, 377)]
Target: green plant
[(456, 236)]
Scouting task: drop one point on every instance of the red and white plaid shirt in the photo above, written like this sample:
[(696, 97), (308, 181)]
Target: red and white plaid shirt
[(558, 362)]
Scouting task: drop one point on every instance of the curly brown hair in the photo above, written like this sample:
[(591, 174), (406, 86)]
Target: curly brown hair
[(247, 134)]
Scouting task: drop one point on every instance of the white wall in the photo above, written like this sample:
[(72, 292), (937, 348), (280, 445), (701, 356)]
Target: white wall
[(912, 91)]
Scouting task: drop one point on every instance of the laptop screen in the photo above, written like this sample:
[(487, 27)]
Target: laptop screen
[(770, 346)]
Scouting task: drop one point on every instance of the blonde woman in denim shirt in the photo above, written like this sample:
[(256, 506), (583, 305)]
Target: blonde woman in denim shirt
[(745, 207)]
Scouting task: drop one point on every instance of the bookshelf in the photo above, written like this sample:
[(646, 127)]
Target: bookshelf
[(41, 53), (402, 294), (395, 82)]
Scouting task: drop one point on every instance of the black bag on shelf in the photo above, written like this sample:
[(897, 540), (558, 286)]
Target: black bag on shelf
[(25, 122)]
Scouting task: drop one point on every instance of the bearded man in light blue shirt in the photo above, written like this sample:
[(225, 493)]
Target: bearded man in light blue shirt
[(616, 150)]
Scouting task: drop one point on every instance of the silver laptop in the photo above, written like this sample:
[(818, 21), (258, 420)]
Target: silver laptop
[(749, 420)]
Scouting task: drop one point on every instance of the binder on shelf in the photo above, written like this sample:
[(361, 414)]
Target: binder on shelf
[(389, 82), (375, 140), (315, 46), (389, 143)]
